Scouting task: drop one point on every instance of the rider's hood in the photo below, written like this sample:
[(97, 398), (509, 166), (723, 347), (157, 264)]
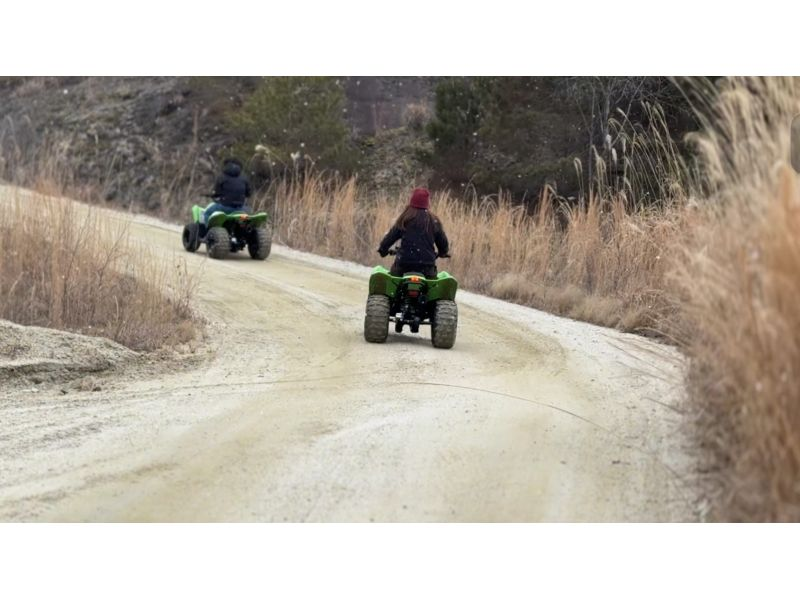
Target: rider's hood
[(232, 169)]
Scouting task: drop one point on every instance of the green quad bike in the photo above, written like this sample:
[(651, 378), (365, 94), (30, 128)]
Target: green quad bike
[(411, 300), (229, 233)]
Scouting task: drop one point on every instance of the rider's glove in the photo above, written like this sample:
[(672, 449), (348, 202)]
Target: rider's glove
[(383, 252)]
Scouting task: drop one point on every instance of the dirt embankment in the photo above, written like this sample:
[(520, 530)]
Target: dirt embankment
[(33, 355)]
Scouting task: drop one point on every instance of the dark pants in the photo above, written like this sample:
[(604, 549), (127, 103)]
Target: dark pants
[(427, 270)]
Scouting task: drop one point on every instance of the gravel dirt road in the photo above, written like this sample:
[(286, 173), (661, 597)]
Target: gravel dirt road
[(292, 416)]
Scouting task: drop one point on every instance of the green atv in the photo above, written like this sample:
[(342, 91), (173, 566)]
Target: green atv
[(411, 300), (229, 233)]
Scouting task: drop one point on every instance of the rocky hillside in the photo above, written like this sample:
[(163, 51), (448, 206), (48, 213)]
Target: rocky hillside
[(155, 141), (126, 134)]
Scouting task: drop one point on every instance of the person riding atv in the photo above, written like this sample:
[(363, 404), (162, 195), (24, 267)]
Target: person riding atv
[(422, 238), (227, 225), (231, 190), (413, 293)]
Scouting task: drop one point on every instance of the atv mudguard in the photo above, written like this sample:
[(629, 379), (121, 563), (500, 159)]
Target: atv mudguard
[(220, 218), (381, 282)]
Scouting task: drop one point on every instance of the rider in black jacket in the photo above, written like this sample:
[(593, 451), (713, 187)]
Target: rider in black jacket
[(423, 238), (231, 191), (231, 188)]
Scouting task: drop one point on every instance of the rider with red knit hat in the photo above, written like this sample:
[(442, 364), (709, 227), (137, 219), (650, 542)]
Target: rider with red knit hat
[(422, 235)]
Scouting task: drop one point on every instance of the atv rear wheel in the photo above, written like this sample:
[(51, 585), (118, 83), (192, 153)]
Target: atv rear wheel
[(376, 322), (218, 243), (191, 237), (444, 324), (260, 242)]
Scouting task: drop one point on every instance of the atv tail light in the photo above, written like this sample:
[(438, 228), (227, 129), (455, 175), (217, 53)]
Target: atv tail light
[(415, 279), (413, 293), (242, 216)]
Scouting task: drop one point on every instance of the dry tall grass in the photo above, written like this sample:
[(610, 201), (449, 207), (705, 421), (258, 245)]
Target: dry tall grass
[(66, 267), (601, 262), (736, 286)]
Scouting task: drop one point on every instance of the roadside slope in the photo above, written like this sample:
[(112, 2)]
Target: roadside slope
[(528, 418)]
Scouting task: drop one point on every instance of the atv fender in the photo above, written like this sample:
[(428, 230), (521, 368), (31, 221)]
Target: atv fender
[(444, 287), (197, 213), (220, 218), (381, 282)]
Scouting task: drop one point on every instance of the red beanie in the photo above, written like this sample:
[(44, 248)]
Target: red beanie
[(420, 199)]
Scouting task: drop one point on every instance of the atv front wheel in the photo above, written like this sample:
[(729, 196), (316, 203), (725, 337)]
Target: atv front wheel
[(444, 324), (191, 237), (218, 243), (260, 242), (376, 322)]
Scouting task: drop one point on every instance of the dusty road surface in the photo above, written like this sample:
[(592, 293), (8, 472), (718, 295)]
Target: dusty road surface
[(293, 417)]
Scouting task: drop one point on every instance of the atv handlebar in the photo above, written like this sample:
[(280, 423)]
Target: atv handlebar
[(393, 251)]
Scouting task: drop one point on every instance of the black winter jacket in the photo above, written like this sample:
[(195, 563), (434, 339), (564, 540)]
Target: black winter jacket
[(231, 188), (421, 239)]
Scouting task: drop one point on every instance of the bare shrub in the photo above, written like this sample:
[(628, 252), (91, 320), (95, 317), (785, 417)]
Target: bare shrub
[(416, 116)]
